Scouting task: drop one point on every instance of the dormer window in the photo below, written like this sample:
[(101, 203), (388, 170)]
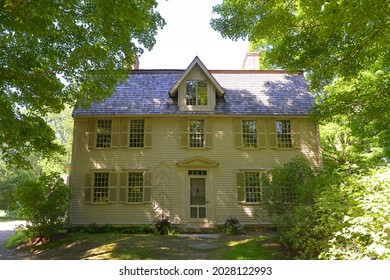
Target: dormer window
[(196, 89), (196, 93)]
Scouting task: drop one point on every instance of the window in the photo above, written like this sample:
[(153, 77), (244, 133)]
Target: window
[(196, 133), (137, 129), (197, 172), (249, 134), (196, 93), (252, 184), (100, 187), (135, 187), (283, 130), (103, 134)]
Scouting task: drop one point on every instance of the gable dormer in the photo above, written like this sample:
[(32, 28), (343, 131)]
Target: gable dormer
[(196, 89)]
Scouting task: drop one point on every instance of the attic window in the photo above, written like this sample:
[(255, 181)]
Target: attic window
[(196, 93)]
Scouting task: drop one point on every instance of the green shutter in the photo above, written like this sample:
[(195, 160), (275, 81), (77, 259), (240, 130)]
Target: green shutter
[(124, 134), (88, 188), (148, 133), (184, 133), (208, 124), (115, 133), (240, 187), (261, 133), (295, 133), (123, 180), (147, 187), (112, 188), (91, 133), (237, 133), (273, 143)]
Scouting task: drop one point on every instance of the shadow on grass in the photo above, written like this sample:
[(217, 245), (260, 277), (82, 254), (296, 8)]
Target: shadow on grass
[(110, 246)]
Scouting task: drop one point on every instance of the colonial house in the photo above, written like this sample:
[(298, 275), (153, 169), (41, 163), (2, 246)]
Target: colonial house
[(191, 144)]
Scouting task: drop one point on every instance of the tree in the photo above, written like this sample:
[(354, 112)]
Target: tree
[(44, 204), (56, 53), (325, 38), (343, 46)]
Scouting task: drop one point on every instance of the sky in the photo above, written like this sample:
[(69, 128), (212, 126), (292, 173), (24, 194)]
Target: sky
[(187, 34)]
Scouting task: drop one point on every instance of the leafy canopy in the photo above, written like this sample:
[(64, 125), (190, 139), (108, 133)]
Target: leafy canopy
[(325, 38), (59, 52), (343, 46)]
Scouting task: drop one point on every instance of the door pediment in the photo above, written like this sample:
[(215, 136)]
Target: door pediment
[(197, 161)]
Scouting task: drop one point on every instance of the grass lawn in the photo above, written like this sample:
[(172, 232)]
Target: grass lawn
[(113, 246)]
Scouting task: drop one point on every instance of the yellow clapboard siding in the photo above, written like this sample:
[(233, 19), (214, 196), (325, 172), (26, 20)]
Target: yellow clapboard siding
[(166, 151)]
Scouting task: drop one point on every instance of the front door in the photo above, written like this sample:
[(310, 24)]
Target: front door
[(197, 197)]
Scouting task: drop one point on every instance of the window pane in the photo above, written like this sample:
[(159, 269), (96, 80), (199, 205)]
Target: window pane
[(202, 92), (191, 93), (252, 183), (137, 128), (196, 92), (136, 184), (100, 190), (194, 212), (197, 133), (283, 129), (249, 134), (103, 134)]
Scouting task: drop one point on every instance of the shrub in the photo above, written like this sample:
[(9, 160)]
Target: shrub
[(304, 206), (162, 224), (44, 204), (365, 232), (232, 226)]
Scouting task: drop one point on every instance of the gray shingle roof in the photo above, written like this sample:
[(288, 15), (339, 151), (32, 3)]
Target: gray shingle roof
[(246, 93)]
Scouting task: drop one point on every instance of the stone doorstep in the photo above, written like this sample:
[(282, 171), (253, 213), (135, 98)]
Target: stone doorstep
[(199, 235)]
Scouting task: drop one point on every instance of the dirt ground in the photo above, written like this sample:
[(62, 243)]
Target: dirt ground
[(127, 246)]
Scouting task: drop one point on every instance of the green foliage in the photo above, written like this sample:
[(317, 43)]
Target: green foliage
[(233, 227), (365, 232), (283, 186), (74, 52), (44, 204), (162, 224), (325, 38), (343, 47)]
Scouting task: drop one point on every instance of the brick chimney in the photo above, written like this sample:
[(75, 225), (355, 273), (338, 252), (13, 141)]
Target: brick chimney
[(136, 64), (251, 61)]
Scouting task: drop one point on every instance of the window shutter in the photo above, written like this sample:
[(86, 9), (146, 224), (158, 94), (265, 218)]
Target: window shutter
[(184, 133), (148, 133), (261, 133), (88, 188), (91, 133), (208, 124), (240, 187), (124, 133), (295, 133), (115, 133), (112, 188), (123, 176), (272, 133), (147, 187), (237, 133)]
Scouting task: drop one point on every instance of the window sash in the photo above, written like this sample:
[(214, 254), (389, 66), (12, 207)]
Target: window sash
[(100, 187), (252, 185), (284, 135), (103, 133), (135, 187), (196, 93), (196, 133), (137, 134), (249, 133)]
